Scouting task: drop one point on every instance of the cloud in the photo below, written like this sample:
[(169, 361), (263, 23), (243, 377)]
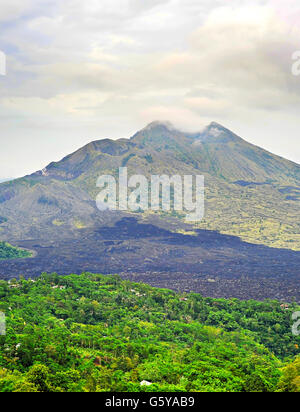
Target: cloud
[(242, 52), (207, 106), (181, 118), (104, 68), (235, 51), (13, 9), (146, 4)]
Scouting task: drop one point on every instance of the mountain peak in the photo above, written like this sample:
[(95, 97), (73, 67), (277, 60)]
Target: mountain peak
[(216, 125), (160, 124), (218, 128), (216, 133), (159, 132)]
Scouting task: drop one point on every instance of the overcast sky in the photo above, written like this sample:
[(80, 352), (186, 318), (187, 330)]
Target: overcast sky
[(84, 70)]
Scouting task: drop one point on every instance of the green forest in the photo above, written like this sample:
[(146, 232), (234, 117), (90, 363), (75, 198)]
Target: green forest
[(10, 252), (95, 333)]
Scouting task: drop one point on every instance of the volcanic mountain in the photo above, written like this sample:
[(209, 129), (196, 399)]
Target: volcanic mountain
[(252, 201)]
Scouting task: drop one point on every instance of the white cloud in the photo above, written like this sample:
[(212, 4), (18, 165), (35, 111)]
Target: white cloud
[(104, 68), (13, 9), (243, 52), (181, 118)]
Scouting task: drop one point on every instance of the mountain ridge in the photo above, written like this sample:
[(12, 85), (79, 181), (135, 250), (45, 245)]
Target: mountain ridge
[(243, 183), (245, 247), (151, 137)]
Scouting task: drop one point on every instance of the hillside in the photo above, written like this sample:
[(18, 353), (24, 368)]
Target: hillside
[(99, 333), (247, 246), (249, 192)]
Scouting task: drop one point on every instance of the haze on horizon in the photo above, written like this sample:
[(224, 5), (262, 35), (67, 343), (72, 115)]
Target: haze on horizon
[(82, 71)]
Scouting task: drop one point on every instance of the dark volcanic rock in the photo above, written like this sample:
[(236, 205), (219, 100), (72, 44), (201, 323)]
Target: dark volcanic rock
[(210, 263)]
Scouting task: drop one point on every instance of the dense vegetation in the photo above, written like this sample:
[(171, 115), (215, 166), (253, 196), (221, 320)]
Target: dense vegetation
[(10, 252), (99, 333)]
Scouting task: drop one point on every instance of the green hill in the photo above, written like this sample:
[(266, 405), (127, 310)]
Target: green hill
[(99, 333)]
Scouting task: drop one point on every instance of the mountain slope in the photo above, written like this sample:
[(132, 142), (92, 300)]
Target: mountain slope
[(215, 151), (249, 191)]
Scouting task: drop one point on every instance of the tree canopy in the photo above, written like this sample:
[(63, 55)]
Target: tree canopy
[(99, 333)]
